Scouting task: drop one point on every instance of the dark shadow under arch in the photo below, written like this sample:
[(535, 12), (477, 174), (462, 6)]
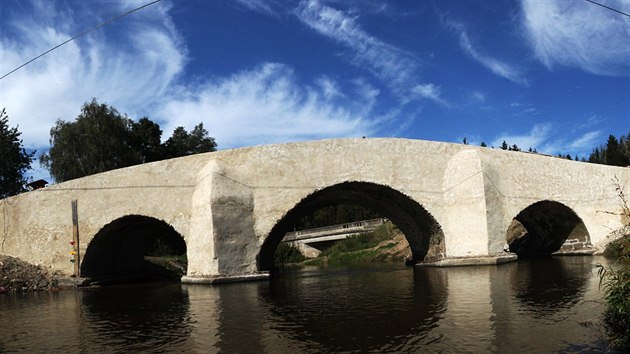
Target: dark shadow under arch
[(419, 226), (117, 252), (546, 227)]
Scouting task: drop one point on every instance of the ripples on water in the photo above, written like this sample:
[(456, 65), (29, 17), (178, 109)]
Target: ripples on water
[(538, 305)]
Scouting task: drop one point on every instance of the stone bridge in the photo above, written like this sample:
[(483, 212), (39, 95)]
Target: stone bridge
[(230, 209)]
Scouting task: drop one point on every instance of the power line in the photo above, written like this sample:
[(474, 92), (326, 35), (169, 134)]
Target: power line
[(79, 35), (609, 8)]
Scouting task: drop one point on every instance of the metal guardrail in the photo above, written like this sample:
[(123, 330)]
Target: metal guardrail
[(352, 227)]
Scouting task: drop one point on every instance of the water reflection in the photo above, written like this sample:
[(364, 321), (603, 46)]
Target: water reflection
[(355, 309), (136, 317), (549, 284), (529, 306)]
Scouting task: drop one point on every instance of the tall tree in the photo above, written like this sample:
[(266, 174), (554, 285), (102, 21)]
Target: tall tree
[(146, 140), (14, 160), (98, 140), (182, 143), (504, 145), (614, 154)]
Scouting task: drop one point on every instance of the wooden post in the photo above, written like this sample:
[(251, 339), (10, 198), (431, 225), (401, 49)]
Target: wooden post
[(75, 239)]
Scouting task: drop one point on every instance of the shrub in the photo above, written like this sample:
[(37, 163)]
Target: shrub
[(616, 284), (287, 253)]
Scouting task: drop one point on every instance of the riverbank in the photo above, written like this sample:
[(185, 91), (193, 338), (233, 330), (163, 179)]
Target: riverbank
[(17, 275)]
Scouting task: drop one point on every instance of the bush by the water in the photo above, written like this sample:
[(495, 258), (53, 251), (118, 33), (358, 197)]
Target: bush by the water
[(617, 249), (287, 253), (616, 284)]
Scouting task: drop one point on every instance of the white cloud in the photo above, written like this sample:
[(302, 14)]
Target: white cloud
[(547, 140), (496, 66), (267, 7), (394, 67), (535, 138), (329, 87), (579, 34), (137, 73), (429, 91), (131, 72), (267, 105), (585, 142)]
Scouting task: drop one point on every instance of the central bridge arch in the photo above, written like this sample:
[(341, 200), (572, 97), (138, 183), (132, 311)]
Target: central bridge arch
[(419, 227)]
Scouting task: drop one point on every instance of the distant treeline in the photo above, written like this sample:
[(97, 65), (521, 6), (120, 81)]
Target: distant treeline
[(336, 214), (615, 152)]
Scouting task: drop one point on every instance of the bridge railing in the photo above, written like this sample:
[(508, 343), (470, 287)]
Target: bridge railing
[(352, 227)]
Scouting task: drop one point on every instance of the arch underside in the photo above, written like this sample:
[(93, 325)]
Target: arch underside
[(118, 250), (417, 224), (546, 227)]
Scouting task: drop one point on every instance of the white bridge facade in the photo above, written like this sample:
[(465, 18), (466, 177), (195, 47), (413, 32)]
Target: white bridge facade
[(232, 208)]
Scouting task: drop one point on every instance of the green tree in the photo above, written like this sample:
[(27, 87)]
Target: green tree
[(146, 140), (483, 144), (14, 160), (98, 140), (504, 145), (614, 154), (101, 139), (182, 143), (597, 156)]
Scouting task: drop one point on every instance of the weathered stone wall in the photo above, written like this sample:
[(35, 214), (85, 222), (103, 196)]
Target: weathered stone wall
[(225, 204)]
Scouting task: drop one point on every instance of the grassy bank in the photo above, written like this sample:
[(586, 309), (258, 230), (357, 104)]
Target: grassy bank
[(616, 283)]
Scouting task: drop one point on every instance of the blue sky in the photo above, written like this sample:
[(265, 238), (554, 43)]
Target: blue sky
[(551, 75)]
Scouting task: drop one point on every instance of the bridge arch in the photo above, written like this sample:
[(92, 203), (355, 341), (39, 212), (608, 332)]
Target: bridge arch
[(419, 227), (117, 252), (546, 227)]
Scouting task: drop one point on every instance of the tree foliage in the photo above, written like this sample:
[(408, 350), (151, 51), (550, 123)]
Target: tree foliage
[(101, 139), (336, 214), (14, 160), (616, 152), (98, 140), (182, 143)]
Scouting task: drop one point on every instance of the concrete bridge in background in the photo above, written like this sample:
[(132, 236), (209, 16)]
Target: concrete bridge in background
[(232, 208), (311, 242)]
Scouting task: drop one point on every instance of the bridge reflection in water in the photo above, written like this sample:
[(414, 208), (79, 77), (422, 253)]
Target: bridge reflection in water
[(535, 305)]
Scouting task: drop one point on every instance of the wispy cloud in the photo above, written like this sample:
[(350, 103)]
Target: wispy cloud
[(496, 66), (394, 67), (138, 73), (545, 139), (431, 92), (266, 7), (579, 34), (129, 73), (535, 138), (267, 105)]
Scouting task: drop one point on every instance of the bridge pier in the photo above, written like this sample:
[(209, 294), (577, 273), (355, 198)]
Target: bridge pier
[(471, 261), (218, 279)]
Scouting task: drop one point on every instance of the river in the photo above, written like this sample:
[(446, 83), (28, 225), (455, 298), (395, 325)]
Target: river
[(550, 305)]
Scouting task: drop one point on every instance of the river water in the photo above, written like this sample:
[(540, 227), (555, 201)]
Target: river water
[(550, 305)]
